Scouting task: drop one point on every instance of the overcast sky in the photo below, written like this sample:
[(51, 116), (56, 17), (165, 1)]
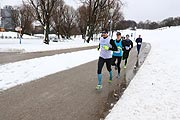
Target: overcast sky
[(138, 10), (155, 10)]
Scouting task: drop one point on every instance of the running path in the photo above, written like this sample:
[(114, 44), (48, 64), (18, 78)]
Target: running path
[(14, 57), (67, 95)]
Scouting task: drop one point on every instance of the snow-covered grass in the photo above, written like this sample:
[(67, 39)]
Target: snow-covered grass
[(154, 93), (34, 44), (13, 74)]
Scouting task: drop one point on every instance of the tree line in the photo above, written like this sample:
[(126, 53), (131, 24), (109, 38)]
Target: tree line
[(55, 16), (168, 22)]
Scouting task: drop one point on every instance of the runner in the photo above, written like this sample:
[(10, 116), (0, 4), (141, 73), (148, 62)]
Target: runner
[(127, 46), (117, 55), (106, 45), (139, 43)]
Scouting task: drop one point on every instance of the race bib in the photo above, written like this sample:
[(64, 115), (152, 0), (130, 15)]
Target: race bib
[(139, 43), (117, 51), (127, 47)]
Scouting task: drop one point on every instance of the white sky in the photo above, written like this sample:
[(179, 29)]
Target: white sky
[(10, 2), (156, 10), (138, 10)]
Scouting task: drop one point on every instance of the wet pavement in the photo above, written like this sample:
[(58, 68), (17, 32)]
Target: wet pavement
[(126, 76), (70, 94)]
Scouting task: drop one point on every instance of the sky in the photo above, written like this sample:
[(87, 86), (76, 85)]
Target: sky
[(154, 10), (138, 10)]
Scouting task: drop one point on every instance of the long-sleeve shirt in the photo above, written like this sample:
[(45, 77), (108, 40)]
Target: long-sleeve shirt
[(127, 45), (139, 41)]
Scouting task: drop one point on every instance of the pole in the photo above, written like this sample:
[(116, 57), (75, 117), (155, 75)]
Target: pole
[(135, 34), (111, 11), (111, 27), (20, 31), (20, 36)]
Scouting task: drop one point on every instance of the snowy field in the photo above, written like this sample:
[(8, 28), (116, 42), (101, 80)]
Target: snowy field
[(154, 93), (34, 44)]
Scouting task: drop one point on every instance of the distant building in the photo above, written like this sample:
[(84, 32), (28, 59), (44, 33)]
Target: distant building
[(6, 20), (38, 28)]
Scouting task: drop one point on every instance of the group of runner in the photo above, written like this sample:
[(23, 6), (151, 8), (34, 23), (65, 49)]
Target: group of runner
[(121, 48)]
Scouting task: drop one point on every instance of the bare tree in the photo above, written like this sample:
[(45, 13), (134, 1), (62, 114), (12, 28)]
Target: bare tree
[(82, 19), (43, 13), (57, 17), (118, 14), (26, 19), (98, 14), (15, 16), (23, 18), (69, 20), (64, 19)]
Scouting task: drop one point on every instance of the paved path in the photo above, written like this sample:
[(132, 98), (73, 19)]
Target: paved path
[(14, 57), (67, 95)]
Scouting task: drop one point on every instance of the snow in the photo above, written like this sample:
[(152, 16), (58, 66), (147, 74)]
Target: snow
[(13, 74), (15, 35), (35, 44), (154, 93), (17, 73)]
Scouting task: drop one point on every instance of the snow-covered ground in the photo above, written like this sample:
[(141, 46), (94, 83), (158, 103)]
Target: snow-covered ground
[(34, 44), (154, 93), (13, 74)]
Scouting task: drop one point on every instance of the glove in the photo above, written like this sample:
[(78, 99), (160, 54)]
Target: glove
[(119, 48), (106, 47)]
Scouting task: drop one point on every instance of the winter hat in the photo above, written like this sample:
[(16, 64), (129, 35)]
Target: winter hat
[(104, 31)]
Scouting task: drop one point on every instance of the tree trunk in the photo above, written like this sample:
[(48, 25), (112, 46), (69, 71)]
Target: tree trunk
[(58, 36), (46, 38), (90, 33)]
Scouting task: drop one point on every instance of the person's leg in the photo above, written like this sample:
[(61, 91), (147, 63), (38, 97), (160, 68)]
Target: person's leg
[(124, 55), (125, 62), (126, 59), (108, 66), (100, 66), (114, 58), (138, 48), (113, 61), (118, 65)]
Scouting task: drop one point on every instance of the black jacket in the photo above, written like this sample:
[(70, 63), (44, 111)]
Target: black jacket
[(139, 40), (127, 45)]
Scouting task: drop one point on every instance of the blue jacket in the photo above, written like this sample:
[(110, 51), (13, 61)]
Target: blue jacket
[(118, 53)]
